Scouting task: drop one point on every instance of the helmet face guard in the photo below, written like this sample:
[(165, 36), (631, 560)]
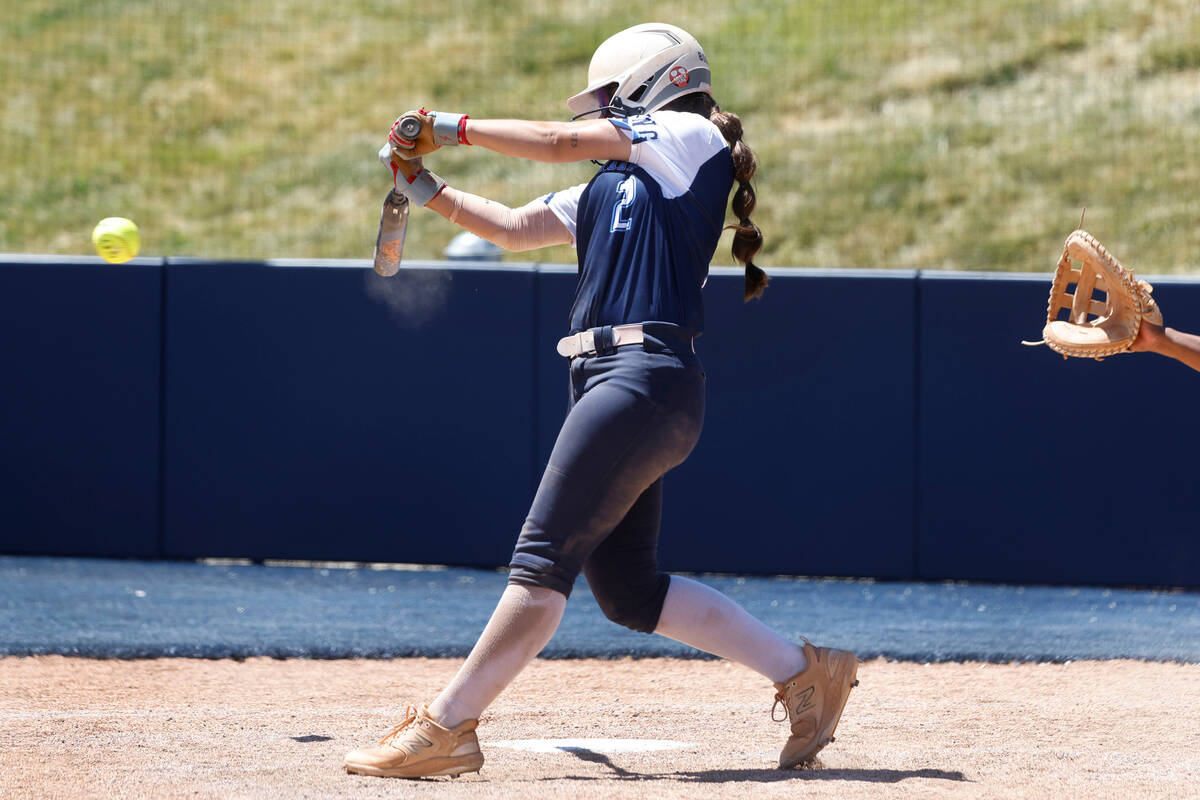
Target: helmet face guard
[(642, 69), (598, 101)]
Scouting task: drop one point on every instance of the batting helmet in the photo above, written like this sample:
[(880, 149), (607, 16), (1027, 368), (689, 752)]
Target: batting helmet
[(641, 69)]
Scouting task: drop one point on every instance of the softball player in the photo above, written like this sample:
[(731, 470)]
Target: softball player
[(645, 228)]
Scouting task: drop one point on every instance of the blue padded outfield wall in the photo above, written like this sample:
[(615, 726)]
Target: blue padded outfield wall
[(80, 353), (310, 418), (863, 423), (1048, 469)]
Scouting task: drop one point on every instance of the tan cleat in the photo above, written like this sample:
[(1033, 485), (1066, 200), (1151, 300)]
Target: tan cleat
[(420, 748), (814, 700)]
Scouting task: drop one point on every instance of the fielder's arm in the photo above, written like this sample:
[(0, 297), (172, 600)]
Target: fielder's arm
[(1183, 347)]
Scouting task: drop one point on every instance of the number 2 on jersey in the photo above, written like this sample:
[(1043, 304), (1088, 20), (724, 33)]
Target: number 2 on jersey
[(627, 189)]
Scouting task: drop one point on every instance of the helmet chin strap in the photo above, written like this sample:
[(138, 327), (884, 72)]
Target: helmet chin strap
[(614, 109), (589, 113)]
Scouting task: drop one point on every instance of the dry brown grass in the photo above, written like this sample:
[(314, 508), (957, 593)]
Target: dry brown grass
[(900, 134)]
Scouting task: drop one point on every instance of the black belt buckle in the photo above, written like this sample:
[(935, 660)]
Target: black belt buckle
[(605, 342)]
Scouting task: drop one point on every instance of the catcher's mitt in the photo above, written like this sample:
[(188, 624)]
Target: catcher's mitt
[(1095, 328)]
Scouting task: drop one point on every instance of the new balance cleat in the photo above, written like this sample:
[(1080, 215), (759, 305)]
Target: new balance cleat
[(813, 700), (420, 748)]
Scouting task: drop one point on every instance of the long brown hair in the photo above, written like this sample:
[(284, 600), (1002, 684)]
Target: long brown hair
[(747, 237)]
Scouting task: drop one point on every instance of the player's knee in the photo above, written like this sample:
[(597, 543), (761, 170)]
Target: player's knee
[(637, 606)]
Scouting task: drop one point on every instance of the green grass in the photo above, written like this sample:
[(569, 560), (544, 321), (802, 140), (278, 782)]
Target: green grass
[(890, 133)]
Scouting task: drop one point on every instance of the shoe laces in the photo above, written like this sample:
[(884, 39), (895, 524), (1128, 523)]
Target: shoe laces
[(780, 696), (775, 705), (410, 717)]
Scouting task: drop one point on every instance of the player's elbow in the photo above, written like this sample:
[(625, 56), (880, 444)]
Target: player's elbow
[(508, 235), (514, 241), (506, 241)]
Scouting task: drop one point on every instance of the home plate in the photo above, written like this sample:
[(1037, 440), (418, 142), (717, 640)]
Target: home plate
[(591, 745)]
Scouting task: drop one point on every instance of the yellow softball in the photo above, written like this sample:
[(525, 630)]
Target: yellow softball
[(116, 239)]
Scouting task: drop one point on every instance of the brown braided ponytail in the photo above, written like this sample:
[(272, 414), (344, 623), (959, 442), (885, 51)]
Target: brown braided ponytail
[(747, 238)]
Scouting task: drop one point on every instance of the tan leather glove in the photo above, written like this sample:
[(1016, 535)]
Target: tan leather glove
[(1095, 328)]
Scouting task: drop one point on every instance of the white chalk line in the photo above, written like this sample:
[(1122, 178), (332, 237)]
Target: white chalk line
[(591, 745)]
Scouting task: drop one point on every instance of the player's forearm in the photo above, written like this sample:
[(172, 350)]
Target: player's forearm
[(550, 142), (1181, 346), (539, 141), (526, 228), (485, 218)]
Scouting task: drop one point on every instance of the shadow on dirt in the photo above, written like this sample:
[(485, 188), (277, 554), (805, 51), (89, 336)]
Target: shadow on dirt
[(759, 775)]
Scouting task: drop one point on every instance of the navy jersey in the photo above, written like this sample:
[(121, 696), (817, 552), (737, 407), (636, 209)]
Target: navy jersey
[(646, 229)]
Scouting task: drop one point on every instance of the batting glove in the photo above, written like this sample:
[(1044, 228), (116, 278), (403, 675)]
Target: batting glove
[(434, 129), (412, 180)]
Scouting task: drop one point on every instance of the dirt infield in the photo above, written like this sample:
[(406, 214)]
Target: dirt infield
[(262, 728)]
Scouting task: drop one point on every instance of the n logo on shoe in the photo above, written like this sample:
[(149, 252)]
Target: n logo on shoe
[(804, 700), (416, 741)]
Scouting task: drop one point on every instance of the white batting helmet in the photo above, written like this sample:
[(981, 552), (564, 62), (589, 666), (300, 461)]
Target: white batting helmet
[(641, 69)]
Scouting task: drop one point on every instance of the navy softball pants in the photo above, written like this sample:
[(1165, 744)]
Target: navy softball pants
[(635, 413)]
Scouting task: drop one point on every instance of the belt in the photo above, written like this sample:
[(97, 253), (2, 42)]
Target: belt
[(585, 343)]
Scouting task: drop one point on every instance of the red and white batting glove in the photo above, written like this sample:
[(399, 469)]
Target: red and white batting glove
[(437, 129), (412, 180)]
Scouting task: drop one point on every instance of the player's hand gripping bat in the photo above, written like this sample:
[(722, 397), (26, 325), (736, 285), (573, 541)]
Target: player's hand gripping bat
[(393, 222)]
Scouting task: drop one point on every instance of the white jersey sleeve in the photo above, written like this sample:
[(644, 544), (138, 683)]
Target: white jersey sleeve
[(565, 205), (672, 146)]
